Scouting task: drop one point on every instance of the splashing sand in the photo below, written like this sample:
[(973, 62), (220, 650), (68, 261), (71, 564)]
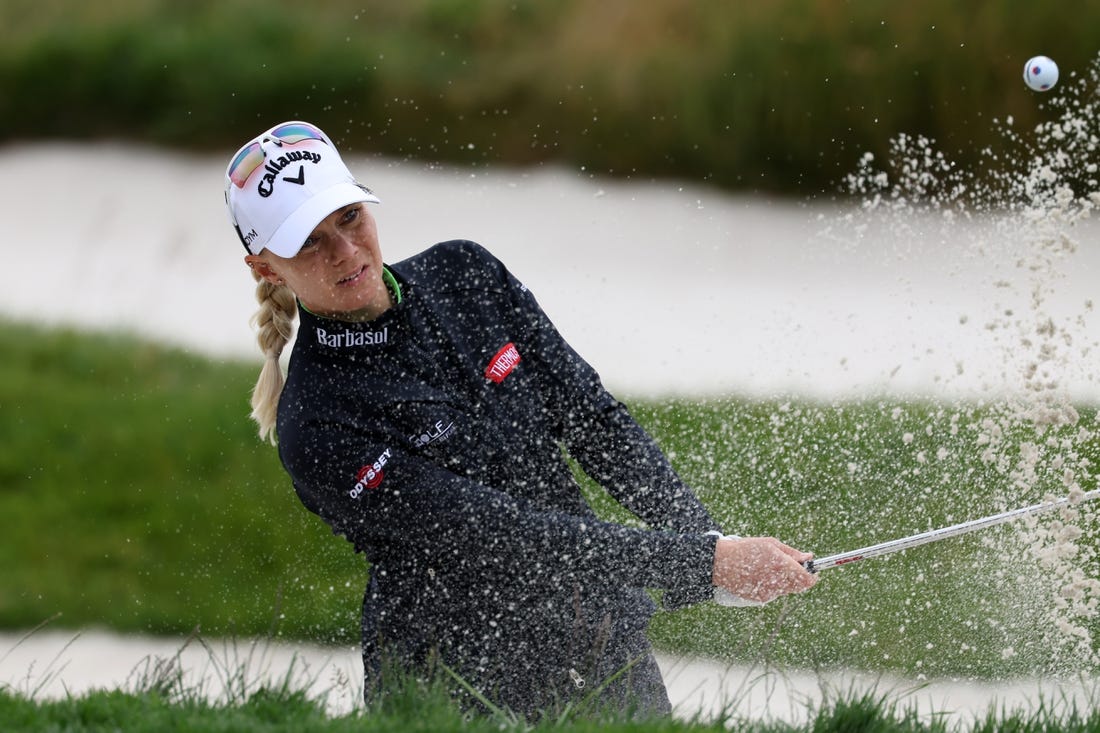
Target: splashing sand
[(1029, 200)]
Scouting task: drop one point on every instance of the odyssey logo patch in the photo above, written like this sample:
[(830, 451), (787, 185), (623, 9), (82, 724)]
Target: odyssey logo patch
[(353, 338), (501, 365), (370, 476)]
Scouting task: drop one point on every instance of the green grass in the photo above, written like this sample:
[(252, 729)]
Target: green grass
[(137, 497), (781, 96), (418, 708), (117, 710)]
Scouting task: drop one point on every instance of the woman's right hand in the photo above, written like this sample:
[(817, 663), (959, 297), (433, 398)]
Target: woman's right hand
[(760, 569)]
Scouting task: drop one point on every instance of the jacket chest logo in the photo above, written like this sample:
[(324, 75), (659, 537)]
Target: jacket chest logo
[(502, 364), (346, 338)]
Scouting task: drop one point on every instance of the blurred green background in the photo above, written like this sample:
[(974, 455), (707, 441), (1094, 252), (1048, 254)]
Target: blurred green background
[(779, 96)]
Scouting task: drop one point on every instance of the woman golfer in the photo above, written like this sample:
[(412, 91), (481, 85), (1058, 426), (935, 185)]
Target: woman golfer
[(425, 415)]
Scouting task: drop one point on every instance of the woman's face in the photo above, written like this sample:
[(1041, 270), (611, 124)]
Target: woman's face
[(338, 271)]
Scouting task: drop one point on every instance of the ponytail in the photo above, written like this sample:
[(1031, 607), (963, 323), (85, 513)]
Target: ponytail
[(275, 323)]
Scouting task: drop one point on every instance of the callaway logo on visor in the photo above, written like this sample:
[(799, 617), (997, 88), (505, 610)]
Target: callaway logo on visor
[(273, 167)]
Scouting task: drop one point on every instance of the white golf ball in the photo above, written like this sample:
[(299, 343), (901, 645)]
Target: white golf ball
[(1040, 73)]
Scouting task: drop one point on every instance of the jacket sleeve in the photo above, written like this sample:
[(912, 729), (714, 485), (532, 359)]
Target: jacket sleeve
[(601, 435), (389, 500)]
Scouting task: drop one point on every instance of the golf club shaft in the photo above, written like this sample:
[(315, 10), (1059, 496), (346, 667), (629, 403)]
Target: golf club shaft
[(885, 548)]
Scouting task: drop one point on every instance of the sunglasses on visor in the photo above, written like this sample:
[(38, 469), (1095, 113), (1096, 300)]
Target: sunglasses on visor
[(251, 156)]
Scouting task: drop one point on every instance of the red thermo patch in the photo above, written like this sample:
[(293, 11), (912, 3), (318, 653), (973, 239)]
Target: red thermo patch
[(501, 365)]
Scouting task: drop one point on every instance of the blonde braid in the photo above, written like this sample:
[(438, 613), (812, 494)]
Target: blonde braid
[(275, 323)]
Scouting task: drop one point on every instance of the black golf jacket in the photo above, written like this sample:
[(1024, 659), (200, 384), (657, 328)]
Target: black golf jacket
[(433, 439)]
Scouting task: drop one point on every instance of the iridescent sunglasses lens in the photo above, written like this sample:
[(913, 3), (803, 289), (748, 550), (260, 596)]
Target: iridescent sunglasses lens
[(247, 160), (296, 132), (252, 155)]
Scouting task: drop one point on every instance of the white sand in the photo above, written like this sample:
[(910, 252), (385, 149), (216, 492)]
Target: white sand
[(53, 664), (664, 288)]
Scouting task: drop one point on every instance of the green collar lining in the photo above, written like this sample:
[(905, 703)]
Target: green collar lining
[(392, 284)]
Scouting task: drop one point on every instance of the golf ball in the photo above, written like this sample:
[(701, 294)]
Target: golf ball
[(1040, 73)]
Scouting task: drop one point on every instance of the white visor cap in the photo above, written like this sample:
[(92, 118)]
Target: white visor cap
[(283, 183)]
